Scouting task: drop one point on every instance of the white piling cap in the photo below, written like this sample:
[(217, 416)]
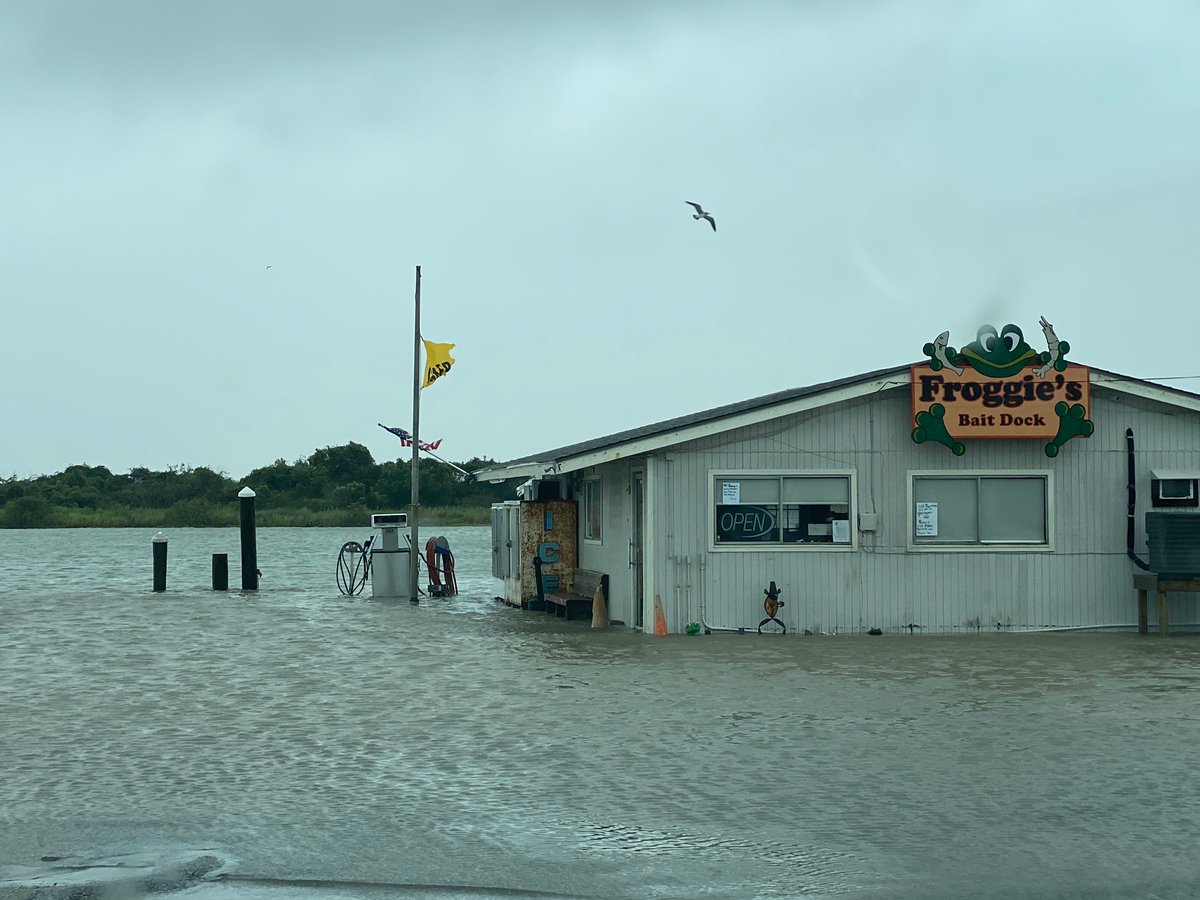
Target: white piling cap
[(245, 492), (159, 538)]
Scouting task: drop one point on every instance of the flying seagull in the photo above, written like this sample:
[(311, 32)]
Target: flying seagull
[(701, 214), (268, 267)]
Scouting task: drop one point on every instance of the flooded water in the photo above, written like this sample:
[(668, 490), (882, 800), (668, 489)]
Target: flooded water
[(294, 742)]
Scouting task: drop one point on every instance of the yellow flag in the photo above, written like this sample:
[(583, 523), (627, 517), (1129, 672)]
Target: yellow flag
[(437, 361)]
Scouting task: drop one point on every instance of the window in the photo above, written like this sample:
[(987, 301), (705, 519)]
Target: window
[(1176, 489), (593, 510), (978, 510), (781, 509), (1169, 489)]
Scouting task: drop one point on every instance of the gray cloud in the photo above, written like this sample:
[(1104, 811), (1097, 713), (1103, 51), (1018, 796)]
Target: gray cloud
[(879, 171)]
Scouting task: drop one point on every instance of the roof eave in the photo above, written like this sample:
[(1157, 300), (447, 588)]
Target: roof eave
[(1147, 390), (496, 474), (558, 462), (572, 462)]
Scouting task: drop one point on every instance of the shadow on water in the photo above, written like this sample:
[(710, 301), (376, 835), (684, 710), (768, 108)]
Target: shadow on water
[(202, 875)]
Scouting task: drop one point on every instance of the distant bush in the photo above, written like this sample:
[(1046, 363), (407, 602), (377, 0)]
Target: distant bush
[(335, 486), (33, 513), (27, 512)]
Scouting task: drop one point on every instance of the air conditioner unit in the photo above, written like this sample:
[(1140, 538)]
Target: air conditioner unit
[(1174, 539)]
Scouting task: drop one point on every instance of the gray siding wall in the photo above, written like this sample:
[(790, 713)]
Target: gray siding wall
[(611, 555), (1085, 580)]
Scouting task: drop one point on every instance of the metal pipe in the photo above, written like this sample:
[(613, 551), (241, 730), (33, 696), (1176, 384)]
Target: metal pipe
[(414, 510), (709, 628), (675, 588), (1049, 628), (1130, 517), (687, 589)]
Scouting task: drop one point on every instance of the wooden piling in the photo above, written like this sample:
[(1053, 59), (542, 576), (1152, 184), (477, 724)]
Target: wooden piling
[(220, 571), (249, 541), (1143, 583), (159, 543)]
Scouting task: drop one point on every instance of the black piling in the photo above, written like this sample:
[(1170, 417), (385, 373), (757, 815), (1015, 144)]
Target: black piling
[(249, 541), (220, 571), (159, 543)]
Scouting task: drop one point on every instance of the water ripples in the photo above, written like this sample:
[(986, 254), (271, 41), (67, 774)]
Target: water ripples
[(461, 743)]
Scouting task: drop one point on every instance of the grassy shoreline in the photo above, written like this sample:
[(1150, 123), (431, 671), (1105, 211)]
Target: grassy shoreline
[(202, 514)]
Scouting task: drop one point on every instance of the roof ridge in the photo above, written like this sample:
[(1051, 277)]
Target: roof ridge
[(776, 398)]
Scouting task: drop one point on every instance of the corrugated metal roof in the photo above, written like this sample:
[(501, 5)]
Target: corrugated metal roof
[(699, 418), (1110, 380)]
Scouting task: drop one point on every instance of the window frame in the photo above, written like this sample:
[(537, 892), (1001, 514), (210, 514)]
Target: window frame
[(593, 492), (978, 546), (1161, 500), (851, 476), (1191, 489)]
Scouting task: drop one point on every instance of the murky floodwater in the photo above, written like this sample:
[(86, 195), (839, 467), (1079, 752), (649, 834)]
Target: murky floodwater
[(315, 745)]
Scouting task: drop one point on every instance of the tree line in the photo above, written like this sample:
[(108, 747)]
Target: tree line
[(334, 486)]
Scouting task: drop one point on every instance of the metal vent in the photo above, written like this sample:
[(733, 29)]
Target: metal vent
[(1174, 539)]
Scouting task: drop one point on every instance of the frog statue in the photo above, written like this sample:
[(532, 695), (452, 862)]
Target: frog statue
[(1000, 354)]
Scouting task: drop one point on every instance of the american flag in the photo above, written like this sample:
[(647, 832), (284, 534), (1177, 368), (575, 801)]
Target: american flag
[(406, 437)]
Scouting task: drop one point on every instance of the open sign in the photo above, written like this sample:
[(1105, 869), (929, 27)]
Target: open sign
[(745, 523)]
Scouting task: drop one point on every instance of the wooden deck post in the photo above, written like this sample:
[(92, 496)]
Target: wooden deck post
[(1143, 583), (1164, 622)]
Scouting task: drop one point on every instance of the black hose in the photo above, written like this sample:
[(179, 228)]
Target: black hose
[(1129, 522), (537, 577), (353, 564)]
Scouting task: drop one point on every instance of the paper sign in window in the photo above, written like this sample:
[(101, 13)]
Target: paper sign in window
[(927, 520), (731, 492)]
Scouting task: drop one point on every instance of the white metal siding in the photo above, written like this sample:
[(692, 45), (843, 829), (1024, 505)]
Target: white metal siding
[(611, 555), (1085, 580)]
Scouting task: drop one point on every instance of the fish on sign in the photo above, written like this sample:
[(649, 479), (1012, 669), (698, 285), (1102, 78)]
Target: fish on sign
[(999, 387)]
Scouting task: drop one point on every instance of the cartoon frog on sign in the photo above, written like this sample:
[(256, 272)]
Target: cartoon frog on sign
[(1000, 354)]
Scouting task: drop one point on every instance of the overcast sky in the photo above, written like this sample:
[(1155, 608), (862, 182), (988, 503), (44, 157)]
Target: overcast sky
[(879, 172)]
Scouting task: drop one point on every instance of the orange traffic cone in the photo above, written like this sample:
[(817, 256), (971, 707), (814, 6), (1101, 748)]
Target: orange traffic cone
[(660, 618), (599, 613)]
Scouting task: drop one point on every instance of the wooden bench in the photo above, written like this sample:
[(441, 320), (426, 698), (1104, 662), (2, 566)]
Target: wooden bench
[(581, 595)]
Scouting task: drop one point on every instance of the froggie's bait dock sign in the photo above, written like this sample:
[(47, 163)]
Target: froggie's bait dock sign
[(1000, 387)]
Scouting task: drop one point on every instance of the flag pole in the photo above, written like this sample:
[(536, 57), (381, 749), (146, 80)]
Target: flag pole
[(459, 469), (414, 509)]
